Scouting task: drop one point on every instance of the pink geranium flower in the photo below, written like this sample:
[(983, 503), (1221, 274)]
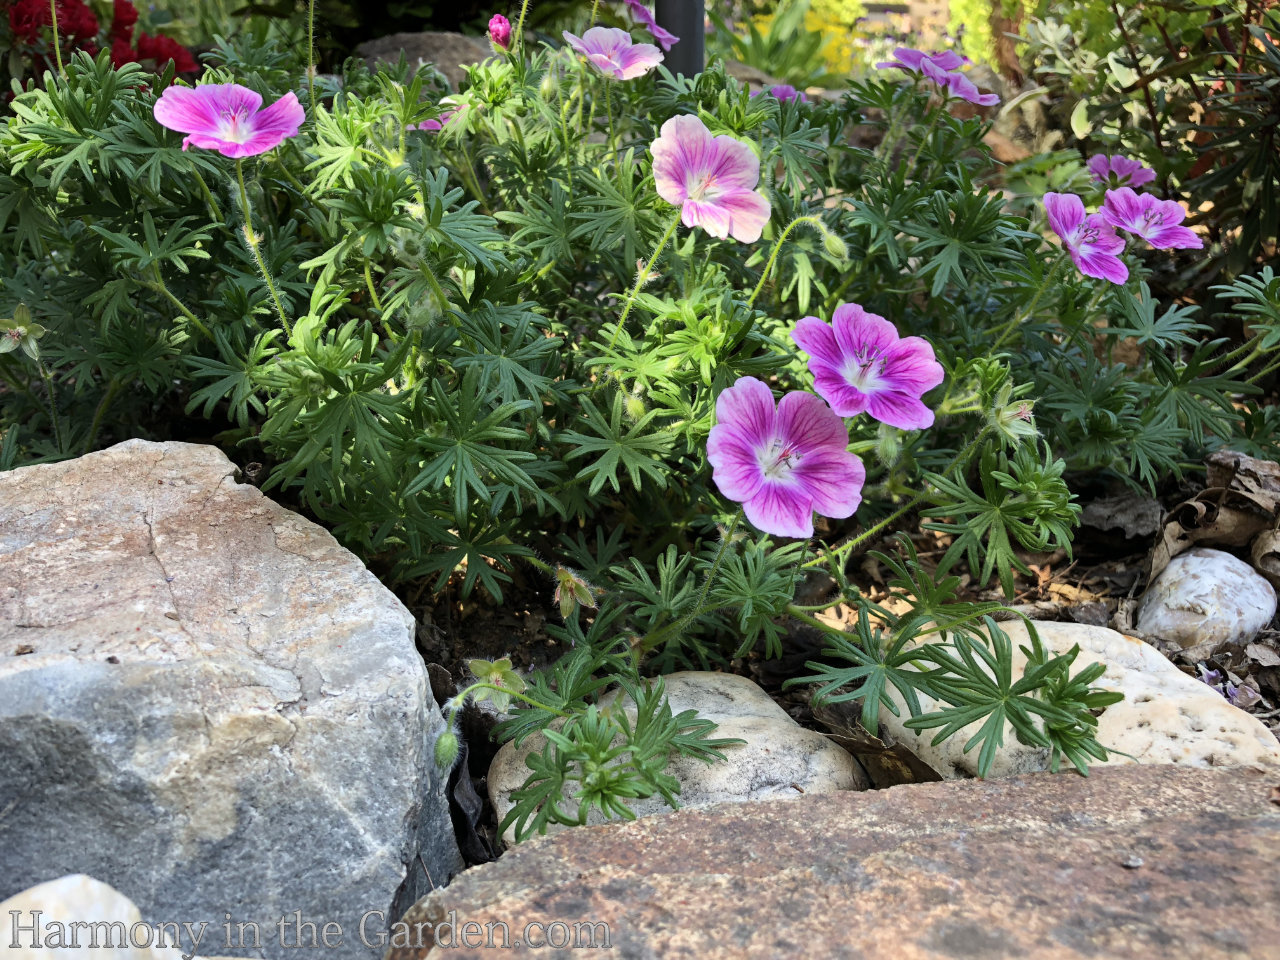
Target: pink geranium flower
[(1091, 241), (712, 179), (784, 92), (613, 53), (783, 463), (227, 117), (500, 31), (665, 37), (943, 69), (1154, 220), (1119, 171), (861, 365)]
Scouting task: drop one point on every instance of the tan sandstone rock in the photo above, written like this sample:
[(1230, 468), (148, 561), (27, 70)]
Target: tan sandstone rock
[(1132, 863)]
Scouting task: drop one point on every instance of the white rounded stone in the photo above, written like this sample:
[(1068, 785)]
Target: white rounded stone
[(1206, 597)]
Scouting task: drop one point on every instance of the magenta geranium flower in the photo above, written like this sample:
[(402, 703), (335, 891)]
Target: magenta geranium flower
[(1119, 171), (861, 365), (614, 53), (227, 117), (1154, 220), (665, 37), (943, 69), (500, 31), (712, 179), (783, 464), (784, 92), (1091, 241)]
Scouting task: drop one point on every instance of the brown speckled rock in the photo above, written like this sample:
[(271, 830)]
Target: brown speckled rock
[(1140, 862), (206, 700), (450, 53)]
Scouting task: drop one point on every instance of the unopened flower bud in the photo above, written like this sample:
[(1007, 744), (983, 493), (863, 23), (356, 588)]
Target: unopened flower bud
[(633, 406), (447, 749), (832, 243), (500, 31)]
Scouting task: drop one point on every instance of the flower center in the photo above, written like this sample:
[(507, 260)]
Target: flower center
[(865, 370), (1153, 217), (232, 126), (778, 459), (705, 183)]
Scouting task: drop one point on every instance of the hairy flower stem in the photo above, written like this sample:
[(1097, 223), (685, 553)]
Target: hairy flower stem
[(461, 698), (595, 9), (777, 248), (112, 389), (928, 133), (1019, 319), (53, 406), (519, 38), (158, 285), (311, 56), (57, 45), (208, 197), (254, 243), (844, 547), (643, 276), (373, 291)]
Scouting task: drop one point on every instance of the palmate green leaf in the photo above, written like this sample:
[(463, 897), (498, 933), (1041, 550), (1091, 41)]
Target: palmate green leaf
[(236, 379), (620, 446), (472, 544), (1191, 396), (618, 210), (545, 230), (513, 353), (471, 449), (1174, 328), (878, 663), (176, 247)]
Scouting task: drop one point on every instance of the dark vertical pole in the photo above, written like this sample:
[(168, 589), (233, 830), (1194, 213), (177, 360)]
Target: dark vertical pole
[(687, 20)]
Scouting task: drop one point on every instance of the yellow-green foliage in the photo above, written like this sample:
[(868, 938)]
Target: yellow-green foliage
[(836, 21)]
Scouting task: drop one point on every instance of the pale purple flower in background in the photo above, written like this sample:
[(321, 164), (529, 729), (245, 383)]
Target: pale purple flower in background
[(943, 69), (861, 365), (1091, 241), (784, 92), (1154, 220), (783, 464), (436, 124), (228, 118), (1119, 171), (665, 37), (614, 53), (500, 31), (712, 179)]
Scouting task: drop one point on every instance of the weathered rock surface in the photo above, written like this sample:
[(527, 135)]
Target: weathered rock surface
[(1129, 864), (1166, 716), (1207, 597), (779, 759), (206, 700), (450, 53)]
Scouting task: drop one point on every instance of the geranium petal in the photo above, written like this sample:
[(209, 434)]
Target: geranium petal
[(902, 410), (833, 483), (736, 464), (1066, 213), (711, 217), (780, 510), (748, 213), (749, 408), (818, 340), (912, 366), (806, 424), (858, 331)]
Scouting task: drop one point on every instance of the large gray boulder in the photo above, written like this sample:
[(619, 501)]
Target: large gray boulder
[(207, 701)]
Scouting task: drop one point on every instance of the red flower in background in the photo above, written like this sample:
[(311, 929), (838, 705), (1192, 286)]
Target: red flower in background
[(163, 49), (76, 21), (123, 17)]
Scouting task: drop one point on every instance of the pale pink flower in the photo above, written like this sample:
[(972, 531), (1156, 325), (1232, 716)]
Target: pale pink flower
[(1091, 241), (943, 69), (614, 53), (665, 37), (1119, 171), (861, 365), (784, 92), (227, 117), (1154, 220), (712, 179), (783, 463)]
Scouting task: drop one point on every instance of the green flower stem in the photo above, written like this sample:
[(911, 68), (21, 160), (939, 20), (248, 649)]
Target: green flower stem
[(112, 389), (461, 698), (519, 39), (642, 276), (311, 55), (608, 110), (844, 547), (53, 406), (252, 240), (1019, 319), (890, 142), (57, 45), (1268, 369), (928, 133), (701, 607), (288, 175), (777, 248), (159, 286), (373, 292), (595, 9), (208, 197)]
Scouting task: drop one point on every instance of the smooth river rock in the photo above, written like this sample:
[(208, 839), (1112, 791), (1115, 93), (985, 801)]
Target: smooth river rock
[(207, 701), (1166, 716), (1132, 863), (780, 758), (1206, 597)]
